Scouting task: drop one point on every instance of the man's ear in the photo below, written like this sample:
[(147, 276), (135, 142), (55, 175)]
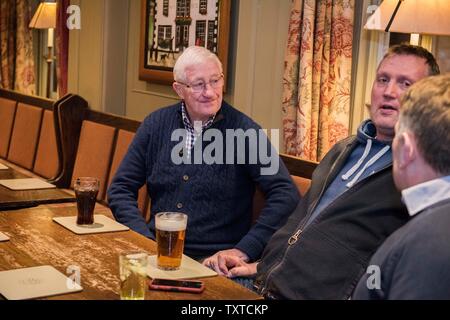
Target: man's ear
[(407, 149), (178, 89)]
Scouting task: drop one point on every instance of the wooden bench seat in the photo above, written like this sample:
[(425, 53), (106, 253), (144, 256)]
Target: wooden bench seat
[(29, 139)]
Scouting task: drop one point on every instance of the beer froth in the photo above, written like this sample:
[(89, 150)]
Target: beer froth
[(170, 225)]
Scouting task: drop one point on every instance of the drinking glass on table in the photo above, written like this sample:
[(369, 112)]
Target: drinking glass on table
[(170, 234), (133, 275), (86, 190)]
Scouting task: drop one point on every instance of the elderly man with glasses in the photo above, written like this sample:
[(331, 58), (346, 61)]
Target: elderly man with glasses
[(215, 180)]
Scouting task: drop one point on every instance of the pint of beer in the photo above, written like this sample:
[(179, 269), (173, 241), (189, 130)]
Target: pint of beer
[(170, 234)]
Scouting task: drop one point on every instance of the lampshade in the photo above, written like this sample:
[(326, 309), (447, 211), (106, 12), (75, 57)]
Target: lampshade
[(45, 16), (412, 16)]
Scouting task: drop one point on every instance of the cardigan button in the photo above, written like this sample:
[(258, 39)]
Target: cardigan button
[(179, 205), (185, 177)]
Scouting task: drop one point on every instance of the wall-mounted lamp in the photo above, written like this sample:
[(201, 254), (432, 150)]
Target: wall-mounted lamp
[(45, 18), (412, 16)]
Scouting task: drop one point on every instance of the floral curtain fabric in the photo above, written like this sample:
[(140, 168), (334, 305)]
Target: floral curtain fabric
[(316, 93), (17, 60)]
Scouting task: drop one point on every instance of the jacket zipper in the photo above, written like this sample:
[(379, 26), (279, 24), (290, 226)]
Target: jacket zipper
[(293, 239)]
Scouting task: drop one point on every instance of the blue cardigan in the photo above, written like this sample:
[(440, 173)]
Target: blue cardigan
[(216, 197)]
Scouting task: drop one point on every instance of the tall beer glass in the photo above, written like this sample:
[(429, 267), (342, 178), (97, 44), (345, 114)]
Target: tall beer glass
[(170, 234)]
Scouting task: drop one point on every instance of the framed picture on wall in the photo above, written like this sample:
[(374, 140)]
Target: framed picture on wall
[(170, 26)]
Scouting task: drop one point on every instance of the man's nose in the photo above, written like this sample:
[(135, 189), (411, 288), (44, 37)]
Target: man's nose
[(391, 90), (208, 90)]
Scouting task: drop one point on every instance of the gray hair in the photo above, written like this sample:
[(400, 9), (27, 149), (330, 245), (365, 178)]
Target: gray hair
[(192, 56)]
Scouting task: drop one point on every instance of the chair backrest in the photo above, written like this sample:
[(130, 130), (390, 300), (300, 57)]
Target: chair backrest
[(47, 162), (94, 143), (25, 135), (29, 132), (93, 157), (301, 173), (7, 113), (123, 141), (302, 184)]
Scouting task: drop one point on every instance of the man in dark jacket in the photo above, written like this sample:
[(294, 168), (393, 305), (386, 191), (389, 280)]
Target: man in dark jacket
[(413, 262), (352, 204)]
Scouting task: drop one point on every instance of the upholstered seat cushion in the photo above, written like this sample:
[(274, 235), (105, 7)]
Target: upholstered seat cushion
[(7, 111), (124, 139), (94, 153), (258, 199), (25, 134), (46, 163)]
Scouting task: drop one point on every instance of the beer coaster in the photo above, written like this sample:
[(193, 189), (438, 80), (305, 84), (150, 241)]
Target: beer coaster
[(35, 282), (3, 167), (101, 224), (3, 237), (26, 184), (189, 269)]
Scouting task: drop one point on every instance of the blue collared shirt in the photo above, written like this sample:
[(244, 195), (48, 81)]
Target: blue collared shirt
[(424, 195)]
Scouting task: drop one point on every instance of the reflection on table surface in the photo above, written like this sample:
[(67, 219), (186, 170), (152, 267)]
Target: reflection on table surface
[(13, 199), (37, 240)]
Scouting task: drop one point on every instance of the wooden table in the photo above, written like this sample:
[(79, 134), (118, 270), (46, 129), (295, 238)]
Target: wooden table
[(13, 199), (37, 240)]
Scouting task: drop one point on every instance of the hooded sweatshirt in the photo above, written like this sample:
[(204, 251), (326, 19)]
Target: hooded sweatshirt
[(369, 157)]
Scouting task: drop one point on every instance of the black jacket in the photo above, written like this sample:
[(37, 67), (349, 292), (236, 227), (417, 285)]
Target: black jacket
[(326, 259)]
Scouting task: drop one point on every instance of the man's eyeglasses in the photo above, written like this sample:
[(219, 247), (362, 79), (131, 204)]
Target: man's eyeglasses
[(200, 86)]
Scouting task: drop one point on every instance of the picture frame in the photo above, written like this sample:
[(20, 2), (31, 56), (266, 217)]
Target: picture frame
[(170, 26)]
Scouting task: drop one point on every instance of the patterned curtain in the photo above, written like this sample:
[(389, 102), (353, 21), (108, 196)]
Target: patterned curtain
[(16, 55), (62, 45), (316, 95)]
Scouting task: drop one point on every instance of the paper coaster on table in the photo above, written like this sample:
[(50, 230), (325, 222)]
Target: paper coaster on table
[(26, 184), (3, 167), (189, 269), (3, 237), (35, 282), (101, 224)]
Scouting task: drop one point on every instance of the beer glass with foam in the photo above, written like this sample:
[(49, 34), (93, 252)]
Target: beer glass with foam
[(86, 190), (170, 234)]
